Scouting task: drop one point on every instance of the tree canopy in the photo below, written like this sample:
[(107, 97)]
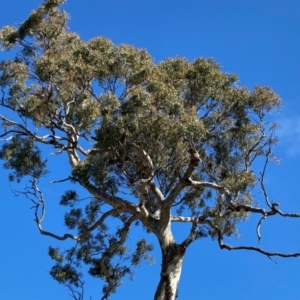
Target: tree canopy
[(152, 143)]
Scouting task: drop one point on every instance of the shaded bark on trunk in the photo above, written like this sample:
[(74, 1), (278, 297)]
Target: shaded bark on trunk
[(170, 272)]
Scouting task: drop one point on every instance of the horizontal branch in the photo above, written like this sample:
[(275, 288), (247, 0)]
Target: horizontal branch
[(223, 245), (61, 238), (273, 211), (211, 185), (238, 207), (199, 220), (49, 139), (229, 247), (183, 219), (61, 180)]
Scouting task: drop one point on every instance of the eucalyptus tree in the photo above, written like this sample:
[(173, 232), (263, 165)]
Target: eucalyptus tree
[(152, 144)]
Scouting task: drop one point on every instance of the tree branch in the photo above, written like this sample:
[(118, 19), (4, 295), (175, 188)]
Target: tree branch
[(267, 253), (101, 220), (211, 185), (156, 191), (120, 204), (149, 171), (23, 130), (223, 245), (61, 180), (183, 219), (35, 195), (258, 227), (192, 236), (142, 207), (116, 202), (75, 294), (194, 162), (106, 256)]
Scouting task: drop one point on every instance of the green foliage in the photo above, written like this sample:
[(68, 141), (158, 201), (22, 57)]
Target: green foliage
[(69, 198), (55, 255), (72, 218), (23, 157), (141, 252), (66, 274), (126, 122)]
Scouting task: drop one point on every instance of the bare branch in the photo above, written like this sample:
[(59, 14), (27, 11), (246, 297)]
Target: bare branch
[(61, 238), (258, 227), (257, 249), (211, 185), (62, 180), (75, 294), (38, 201), (229, 247), (183, 219), (261, 179), (274, 210), (94, 151), (238, 207)]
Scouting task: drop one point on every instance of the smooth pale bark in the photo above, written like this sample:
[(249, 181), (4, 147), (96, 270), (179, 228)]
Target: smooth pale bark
[(170, 272), (172, 258)]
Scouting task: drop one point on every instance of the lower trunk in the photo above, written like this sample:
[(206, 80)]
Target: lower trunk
[(170, 272)]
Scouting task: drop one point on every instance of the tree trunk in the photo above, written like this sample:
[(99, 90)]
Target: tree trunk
[(172, 258)]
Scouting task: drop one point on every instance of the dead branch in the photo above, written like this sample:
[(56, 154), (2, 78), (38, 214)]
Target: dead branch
[(267, 253), (61, 180), (223, 245), (258, 227)]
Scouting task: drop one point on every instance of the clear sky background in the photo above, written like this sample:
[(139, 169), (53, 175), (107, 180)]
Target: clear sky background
[(257, 39)]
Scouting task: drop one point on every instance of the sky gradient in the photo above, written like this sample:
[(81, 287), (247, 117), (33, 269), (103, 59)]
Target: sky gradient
[(257, 40)]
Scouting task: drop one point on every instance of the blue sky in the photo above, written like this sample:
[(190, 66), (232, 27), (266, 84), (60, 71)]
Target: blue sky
[(259, 41)]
